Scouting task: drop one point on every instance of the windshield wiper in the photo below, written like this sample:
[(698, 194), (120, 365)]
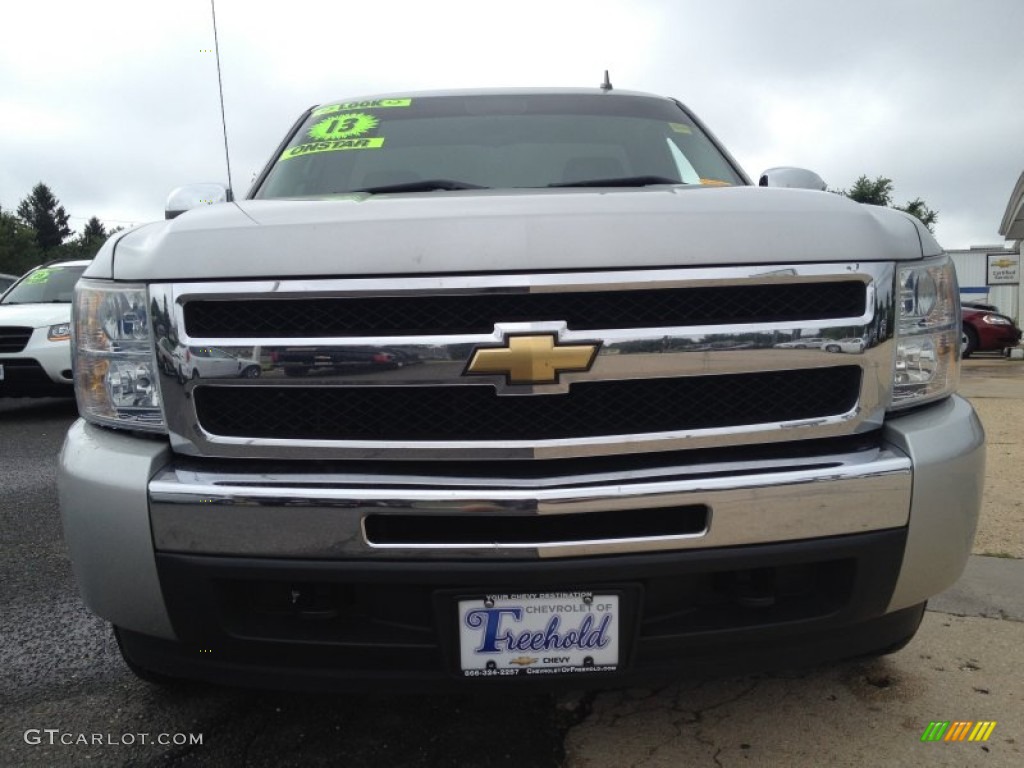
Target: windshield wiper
[(619, 181), (427, 185)]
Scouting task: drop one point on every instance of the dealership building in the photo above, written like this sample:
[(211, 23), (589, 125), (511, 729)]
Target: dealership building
[(991, 273)]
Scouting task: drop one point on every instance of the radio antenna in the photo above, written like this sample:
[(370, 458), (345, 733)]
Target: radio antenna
[(220, 87), (605, 86)]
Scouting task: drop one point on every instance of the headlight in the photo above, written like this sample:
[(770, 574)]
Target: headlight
[(927, 365), (115, 374), (59, 332)]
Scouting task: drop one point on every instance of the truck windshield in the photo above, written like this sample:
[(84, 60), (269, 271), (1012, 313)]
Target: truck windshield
[(495, 141), (47, 285)]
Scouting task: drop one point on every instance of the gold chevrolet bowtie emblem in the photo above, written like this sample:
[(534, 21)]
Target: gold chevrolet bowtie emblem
[(532, 359), (523, 661), (1004, 263)]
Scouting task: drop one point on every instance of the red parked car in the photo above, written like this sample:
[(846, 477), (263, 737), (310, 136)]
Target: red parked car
[(987, 330)]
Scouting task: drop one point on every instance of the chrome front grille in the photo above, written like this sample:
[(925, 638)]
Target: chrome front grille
[(479, 313), (375, 368), (590, 409)]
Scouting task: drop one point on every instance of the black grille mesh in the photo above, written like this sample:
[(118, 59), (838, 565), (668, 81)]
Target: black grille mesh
[(477, 313), (477, 413), (14, 338)]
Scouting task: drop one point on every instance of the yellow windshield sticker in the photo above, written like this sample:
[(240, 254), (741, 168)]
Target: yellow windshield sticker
[(715, 183), (331, 146), (680, 128), (39, 276), (347, 106), (343, 126)]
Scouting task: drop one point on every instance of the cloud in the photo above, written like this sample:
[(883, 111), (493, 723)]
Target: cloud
[(115, 104)]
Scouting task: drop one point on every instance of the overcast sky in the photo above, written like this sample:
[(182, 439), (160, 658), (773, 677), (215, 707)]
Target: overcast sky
[(113, 104)]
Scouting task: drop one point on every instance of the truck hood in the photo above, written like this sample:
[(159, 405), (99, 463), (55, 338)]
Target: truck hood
[(34, 315), (513, 230)]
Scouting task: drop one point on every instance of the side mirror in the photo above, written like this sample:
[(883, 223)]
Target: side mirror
[(796, 178), (193, 195)]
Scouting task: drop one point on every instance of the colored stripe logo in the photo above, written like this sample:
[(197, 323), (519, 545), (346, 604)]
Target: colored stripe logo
[(958, 730)]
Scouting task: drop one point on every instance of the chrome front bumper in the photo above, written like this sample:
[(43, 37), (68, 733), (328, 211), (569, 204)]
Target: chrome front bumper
[(124, 498), (301, 515)]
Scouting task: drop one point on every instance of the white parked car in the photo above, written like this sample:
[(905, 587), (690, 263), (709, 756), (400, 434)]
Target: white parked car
[(35, 331), (811, 342), (212, 362), (852, 345)]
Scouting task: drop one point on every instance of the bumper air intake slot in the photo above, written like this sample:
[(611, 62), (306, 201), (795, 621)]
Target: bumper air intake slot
[(487, 530)]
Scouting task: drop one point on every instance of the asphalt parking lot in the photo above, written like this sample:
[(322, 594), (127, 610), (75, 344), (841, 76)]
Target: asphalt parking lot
[(61, 678)]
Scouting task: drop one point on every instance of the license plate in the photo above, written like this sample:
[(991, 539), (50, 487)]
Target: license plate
[(539, 633)]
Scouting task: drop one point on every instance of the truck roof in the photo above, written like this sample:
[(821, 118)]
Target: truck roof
[(491, 92)]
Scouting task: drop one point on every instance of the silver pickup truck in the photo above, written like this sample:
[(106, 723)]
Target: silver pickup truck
[(598, 451)]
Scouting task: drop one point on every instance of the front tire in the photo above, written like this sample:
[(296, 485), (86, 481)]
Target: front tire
[(972, 341), (252, 372)]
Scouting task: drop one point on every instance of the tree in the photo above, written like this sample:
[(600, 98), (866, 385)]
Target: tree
[(879, 192), (18, 249), (94, 234), (94, 230), (916, 207), (87, 244), (43, 213)]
